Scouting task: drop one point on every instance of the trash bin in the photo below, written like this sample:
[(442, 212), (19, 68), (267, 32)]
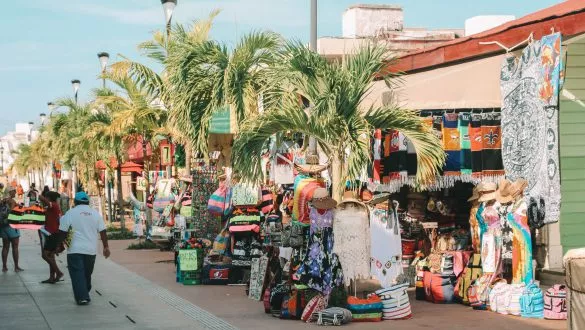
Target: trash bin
[(574, 262)]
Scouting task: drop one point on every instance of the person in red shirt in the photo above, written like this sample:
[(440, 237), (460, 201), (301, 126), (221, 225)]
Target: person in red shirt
[(46, 234)]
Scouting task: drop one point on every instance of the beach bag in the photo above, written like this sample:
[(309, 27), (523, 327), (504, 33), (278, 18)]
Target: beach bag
[(513, 305), (439, 288), (532, 302), (555, 303), (297, 235), (395, 301), (408, 246), (334, 316), (372, 304), (266, 202), (216, 274), (499, 297), (298, 301), (471, 272), (277, 295), (219, 202), (447, 264), (221, 242), (315, 305), (434, 261), (285, 236)]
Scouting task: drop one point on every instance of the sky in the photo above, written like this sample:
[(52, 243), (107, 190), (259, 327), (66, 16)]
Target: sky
[(47, 43)]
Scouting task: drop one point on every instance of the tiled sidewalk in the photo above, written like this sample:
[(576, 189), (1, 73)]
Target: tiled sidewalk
[(120, 299)]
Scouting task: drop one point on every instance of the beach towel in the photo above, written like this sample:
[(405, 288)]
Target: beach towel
[(493, 167), (530, 118), (304, 187), (464, 120), (451, 144)]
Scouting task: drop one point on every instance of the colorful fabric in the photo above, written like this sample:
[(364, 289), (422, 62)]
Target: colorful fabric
[(507, 240), (522, 245), (377, 156), (303, 192), (476, 140), (491, 154), (386, 249), (451, 144), (530, 94), (464, 120), (395, 157), (474, 228)]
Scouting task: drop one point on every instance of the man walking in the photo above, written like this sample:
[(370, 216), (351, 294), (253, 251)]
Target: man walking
[(86, 223)]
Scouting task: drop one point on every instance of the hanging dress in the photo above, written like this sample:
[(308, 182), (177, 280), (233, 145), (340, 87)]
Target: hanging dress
[(491, 244), (507, 238), (474, 228), (352, 234), (522, 244), (386, 261), (481, 224), (320, 268)]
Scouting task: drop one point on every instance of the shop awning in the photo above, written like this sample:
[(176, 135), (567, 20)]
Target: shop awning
[(474, 84)]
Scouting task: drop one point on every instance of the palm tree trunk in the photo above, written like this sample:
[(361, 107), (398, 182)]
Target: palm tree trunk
[(188, 159), (336, 168), (147, 210), (119, 190)]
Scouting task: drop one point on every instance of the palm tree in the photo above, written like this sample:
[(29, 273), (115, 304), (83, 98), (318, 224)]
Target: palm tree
[(206, 76), (337, 120), (137, 114), (158, 49)]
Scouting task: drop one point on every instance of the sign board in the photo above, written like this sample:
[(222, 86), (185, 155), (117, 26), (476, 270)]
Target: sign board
[(188, 260), (257, 277), (141, 184), (95, 202)]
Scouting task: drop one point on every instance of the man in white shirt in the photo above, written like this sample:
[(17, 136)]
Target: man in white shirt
[(86, 223)]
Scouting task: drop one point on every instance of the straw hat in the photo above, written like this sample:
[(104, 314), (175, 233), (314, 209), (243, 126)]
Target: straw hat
[(379, 198), (487, 192), (322, 200), (311, 166), (517, 187), (475, 193), (503, 194)]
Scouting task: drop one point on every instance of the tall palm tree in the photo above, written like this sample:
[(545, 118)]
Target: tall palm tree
[(157, 84), (206, 76), (137, 114), (337, 120)]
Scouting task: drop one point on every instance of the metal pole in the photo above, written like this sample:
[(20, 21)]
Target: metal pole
[(313, 45)]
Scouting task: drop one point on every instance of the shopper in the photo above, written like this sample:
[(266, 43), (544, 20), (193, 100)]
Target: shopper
[(33, 194), (10, 236), (20, 192), (47, 234), (86, 223)]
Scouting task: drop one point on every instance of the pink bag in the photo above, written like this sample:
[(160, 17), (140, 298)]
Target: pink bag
[(555, 303), (219, 202)]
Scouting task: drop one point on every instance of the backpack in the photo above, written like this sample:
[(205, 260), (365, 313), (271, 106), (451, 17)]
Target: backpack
[(498, 297), (555, 303), (4, 212), (439, 288), (471, 272), (532, 302)]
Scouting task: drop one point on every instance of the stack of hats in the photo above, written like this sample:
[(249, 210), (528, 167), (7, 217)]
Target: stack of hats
[(395, 301), (365, 310)]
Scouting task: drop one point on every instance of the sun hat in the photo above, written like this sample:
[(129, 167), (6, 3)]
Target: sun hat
[(517, 187), (322, 200), (488, 192), (311, 166), (379, 198), (475, 193), (503, 194), (81, 196)]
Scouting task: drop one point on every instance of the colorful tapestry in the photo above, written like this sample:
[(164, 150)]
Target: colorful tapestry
[(303, 192), (464, 119), (491, 153), (530, 88), (394, 161), (476, 139), (451, 144)]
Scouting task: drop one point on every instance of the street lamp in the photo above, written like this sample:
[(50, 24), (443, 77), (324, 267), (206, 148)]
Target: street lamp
[(103, 57), (51, 106), (75, 83), (43, 118), (168, 7), (30, 128)]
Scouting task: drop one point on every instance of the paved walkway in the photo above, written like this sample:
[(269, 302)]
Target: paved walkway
[(120, 299)]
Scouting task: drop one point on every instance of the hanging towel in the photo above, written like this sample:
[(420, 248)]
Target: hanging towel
[(491, 130), (303, 192), (464, 119), (451, 144), (476, 140)]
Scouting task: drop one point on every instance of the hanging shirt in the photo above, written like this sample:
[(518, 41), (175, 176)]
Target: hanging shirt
[(386, 251)]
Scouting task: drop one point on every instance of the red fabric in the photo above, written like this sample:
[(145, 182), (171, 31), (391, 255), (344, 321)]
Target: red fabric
[(52, 215)]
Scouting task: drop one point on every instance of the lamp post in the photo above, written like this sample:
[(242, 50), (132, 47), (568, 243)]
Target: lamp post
[(168, 7), (42, 118), (75, 83), (1, 158), (103, 57)]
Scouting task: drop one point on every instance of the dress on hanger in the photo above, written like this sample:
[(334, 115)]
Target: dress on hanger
[(352, 233), (491, 247), (522, 244), (386, 249), (320, 268)]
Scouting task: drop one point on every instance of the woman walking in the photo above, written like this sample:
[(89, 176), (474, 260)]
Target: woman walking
[(10, 236), (48, 234)]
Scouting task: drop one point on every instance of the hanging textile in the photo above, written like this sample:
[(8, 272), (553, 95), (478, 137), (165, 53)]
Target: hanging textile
[(530, 93), (303, 192), (386, 260), (411, 162), (451, 144), (464, 119), (476, 139), (377, 156), (491, 154), (352, 239), (522, 244), (395, 152)]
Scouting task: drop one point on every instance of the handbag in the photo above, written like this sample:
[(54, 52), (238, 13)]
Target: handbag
[(334, 316), (218, 203), (297, 235)]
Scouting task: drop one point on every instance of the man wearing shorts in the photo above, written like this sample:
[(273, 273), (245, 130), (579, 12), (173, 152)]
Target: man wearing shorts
[(49, 246)]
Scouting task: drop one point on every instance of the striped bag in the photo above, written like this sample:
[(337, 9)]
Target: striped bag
[(266, 202), (396, 302), (513, 304), (532, 302)]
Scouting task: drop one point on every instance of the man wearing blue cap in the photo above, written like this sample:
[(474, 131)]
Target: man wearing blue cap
[(86, 223)]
